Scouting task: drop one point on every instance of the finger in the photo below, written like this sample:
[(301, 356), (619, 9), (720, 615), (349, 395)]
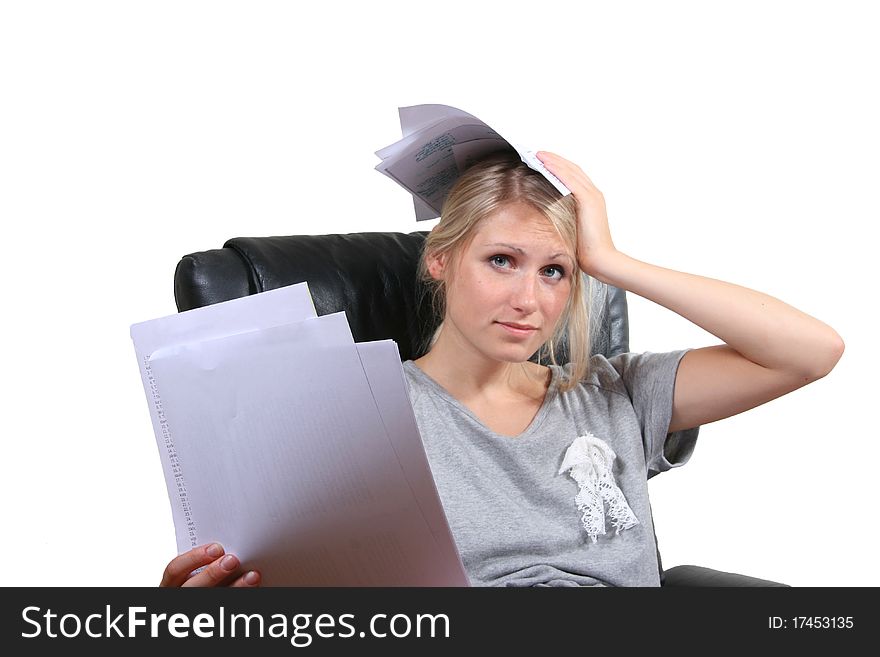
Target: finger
[(250, 579), (562, 168), (216, 573), (179, 568), (548, 154), (556, 159)]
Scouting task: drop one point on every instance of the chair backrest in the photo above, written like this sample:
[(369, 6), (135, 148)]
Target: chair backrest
[(370, 276)]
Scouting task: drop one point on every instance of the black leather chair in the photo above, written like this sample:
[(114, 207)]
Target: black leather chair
[(372, 277)]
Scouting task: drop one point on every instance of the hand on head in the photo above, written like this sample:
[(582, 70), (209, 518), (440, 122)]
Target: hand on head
[(595, 246)]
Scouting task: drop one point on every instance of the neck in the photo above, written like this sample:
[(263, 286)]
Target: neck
[(466, 373)]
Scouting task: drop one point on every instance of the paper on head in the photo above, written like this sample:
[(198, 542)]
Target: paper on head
[(439, 142)]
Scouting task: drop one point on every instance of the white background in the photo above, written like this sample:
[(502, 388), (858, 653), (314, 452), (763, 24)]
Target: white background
[(736, 140)]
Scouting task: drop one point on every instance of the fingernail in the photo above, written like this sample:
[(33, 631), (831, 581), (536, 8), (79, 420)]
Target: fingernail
[(251, 578), (214, 550), (229, 562)]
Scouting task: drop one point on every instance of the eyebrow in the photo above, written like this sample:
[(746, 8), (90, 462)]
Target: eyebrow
[(522, 252)]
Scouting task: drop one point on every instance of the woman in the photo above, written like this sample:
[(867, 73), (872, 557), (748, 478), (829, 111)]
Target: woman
[(526, 456)]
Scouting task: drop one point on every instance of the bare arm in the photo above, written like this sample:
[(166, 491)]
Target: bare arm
[(770, 348)]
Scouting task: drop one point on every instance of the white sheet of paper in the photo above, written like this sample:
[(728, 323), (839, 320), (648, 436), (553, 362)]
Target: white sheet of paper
[(276, 443), (271, 308), (426, 166), (419, 117), (285, 304), (439, 142), (381, 362), (166, 337)]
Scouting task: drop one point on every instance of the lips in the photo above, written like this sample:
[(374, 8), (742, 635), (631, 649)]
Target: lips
[(518, 329)]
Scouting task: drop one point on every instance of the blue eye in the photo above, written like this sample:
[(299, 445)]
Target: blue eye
[(555, 272), (499, 260)]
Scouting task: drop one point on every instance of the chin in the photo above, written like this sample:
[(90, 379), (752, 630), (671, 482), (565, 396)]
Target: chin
[(512, 353)]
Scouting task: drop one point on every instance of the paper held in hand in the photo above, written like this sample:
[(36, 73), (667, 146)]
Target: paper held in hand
[(291, 445), (439, 143)]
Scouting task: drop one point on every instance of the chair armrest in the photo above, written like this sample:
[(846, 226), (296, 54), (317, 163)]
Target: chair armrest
[(699, 576)]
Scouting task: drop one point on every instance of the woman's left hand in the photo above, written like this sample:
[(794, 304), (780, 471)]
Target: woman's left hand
[(594, 237)]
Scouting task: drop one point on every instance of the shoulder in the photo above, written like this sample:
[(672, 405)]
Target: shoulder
[(601, 375), (629, 370), (411, 376), (418, 383)]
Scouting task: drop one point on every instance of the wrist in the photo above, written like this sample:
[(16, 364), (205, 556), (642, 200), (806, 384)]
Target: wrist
[(602, 266)]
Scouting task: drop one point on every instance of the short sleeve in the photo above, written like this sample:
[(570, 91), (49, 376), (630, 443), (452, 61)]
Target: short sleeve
[(649, 379)]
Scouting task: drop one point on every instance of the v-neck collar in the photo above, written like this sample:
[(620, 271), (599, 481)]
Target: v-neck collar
[(533, 426)]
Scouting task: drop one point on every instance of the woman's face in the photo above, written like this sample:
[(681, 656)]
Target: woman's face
[(509, 286)]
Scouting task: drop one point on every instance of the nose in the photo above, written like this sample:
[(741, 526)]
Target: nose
[(522, 296)]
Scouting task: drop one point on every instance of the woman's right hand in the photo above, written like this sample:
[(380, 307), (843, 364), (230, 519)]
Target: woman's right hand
[(221, 569)]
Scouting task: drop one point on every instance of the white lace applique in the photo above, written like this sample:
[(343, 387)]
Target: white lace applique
[(589, 460)]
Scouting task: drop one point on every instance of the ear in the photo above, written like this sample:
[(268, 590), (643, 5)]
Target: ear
[(436, 265)]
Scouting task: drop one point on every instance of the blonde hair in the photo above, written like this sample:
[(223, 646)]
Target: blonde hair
[(481, 190)]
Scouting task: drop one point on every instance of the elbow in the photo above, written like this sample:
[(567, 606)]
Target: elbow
[(833, 353)]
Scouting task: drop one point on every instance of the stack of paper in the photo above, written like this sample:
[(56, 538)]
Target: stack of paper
[(293, 446), (439, 143)]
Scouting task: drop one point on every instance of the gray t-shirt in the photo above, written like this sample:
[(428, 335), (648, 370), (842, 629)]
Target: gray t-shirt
[(513, 515)]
